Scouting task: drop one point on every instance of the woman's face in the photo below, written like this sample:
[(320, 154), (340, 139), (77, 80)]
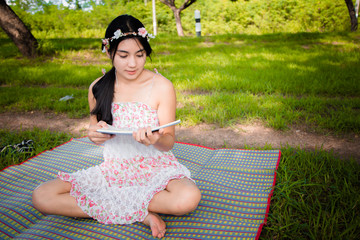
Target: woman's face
[(129, 59)]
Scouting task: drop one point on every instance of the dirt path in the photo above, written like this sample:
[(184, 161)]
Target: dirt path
[(237, 136)]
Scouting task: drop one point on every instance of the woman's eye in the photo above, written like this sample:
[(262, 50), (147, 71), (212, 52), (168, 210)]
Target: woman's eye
[(140, 55), (123, 56)]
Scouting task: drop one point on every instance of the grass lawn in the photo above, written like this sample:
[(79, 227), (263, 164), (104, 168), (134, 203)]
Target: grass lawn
[(309, 79), (283, 80)]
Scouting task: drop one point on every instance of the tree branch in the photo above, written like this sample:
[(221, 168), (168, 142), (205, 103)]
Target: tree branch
[(171, 4), (168, 3), (186, 4)]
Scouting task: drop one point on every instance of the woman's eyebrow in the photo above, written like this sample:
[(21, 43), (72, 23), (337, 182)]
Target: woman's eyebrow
[(123, 51)]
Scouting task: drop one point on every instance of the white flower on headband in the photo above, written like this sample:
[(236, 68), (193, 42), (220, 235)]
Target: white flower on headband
[(149, 35), (118, 34)]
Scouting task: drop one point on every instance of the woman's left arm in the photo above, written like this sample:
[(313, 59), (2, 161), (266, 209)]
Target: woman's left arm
[(166, 114), (164, 139)]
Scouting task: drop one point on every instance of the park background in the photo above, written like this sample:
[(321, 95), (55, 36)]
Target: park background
[(282, 63), (86, 19)]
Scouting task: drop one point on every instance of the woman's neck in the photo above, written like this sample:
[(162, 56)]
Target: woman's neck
[(141, 79), (135, 90)]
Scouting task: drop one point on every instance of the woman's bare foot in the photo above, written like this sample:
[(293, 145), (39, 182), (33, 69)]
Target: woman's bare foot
[(156, 224)]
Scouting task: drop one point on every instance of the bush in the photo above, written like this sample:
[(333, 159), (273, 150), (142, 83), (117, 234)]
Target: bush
[(217, 17)]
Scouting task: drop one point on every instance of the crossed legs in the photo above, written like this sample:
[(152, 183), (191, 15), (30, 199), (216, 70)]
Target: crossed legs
[(53, 197), (180, 197)]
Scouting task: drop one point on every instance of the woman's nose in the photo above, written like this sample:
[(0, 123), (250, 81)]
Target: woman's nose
[(132, 61)]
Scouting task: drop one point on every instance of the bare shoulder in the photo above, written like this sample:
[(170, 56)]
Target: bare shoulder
[(93, 83), (162, 84), (91, 97)]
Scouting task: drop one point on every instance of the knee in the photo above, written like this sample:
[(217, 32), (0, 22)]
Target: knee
[(187, 201), (40, 199)]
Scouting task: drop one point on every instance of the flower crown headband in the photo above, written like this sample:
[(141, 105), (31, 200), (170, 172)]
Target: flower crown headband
[(118, 34)]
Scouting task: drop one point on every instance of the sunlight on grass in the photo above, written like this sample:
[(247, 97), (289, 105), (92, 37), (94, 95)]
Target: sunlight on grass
[(44, 99), (301, 68), (82, 57), (280, 79)]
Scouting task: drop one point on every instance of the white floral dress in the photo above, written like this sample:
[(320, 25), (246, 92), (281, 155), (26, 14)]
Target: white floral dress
[(118, 191)]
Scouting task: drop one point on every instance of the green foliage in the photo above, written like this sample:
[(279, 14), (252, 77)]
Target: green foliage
[(257, 16), (217, 17)]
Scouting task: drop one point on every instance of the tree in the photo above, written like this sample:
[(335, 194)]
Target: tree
[(30, 6), (177, 11), (17, 31), (353, 19)]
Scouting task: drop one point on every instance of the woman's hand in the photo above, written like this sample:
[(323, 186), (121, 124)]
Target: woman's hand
[(97, 137), (147, 137)]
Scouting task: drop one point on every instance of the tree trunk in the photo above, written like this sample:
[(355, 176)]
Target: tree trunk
[(178, 22), (353, 19), (17, 31), (177, 11)]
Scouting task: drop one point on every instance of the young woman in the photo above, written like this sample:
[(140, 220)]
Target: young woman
[(140, 176)]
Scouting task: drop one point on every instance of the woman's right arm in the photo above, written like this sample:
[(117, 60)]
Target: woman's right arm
[(93, 135)]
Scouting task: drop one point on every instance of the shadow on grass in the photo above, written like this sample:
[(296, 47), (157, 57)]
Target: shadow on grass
[(49, 47)]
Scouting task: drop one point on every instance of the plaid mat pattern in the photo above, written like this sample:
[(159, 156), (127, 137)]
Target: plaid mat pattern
[(236, 187)]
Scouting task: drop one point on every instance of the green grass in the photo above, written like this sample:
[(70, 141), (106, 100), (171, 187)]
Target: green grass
[(280, 79), (317, 196), (43, 140), (45, 99)]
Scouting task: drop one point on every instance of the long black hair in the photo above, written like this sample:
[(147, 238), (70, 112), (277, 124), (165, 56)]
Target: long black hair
[(103, 90)]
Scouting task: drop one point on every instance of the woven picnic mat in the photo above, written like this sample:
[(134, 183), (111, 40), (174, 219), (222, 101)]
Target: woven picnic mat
[(236, 187)]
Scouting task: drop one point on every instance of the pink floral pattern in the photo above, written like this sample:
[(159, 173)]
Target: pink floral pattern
[(134, 115), (119, 190)]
